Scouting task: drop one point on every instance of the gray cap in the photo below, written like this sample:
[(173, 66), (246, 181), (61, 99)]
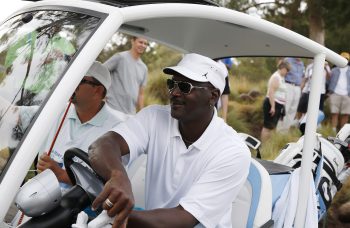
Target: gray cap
[(100, 73)]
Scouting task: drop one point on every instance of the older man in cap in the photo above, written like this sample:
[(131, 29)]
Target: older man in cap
[(89, 118), (196, 162)]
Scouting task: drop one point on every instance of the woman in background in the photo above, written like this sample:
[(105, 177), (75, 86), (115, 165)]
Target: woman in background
[(273, 106)]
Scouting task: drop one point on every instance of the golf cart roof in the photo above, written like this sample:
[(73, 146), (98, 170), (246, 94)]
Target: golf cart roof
[(124, 3), (212, 31)]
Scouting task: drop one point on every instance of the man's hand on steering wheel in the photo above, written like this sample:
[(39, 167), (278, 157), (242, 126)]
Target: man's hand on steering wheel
[(116, 198), (46, 162)]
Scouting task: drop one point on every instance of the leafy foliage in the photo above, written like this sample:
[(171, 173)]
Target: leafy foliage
[(328, 17), (257, 69), (118, 43), (336, 13), (156, 91), (338, 38)]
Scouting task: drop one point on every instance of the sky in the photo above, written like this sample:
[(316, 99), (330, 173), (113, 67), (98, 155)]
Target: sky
[(10, 6)]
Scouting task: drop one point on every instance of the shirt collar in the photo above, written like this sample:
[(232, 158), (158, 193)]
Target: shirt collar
[(206, 138), (97, 120)]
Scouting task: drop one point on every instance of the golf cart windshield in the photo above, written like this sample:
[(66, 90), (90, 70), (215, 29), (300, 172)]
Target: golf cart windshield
[(35, 50)]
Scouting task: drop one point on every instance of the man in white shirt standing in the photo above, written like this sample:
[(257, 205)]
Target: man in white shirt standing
[(339, 88), (196, 163)]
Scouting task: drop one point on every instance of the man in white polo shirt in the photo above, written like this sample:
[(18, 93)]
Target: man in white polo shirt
[(196, 162), (88, 118)]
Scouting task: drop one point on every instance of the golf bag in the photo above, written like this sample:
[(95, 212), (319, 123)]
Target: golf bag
[(329, 164)]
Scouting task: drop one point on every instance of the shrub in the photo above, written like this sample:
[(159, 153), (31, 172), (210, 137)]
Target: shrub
[(235, 121), (254, 68), (156, 91)]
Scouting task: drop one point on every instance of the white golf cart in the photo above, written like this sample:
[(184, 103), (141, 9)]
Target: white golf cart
[(47, 47)]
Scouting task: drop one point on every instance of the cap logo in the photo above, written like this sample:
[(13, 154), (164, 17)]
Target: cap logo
[(205, 75)]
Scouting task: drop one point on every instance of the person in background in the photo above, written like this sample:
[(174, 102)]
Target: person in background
[(339, 89), (196, 163), (129, 78), (306, 86), (88, 118), (275, 100), (293, 81), (224, 99)]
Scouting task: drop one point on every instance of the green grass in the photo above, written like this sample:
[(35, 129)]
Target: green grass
[(271, 149), (326, 129)]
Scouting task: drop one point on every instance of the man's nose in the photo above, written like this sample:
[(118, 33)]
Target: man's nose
[(176, 91)]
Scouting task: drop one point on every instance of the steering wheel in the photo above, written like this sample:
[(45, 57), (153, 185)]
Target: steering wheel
[(81, 175), (87, 185)]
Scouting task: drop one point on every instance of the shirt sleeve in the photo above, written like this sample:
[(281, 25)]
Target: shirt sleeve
[(308, 72), (135, 132), (113, 62), (212, 195)]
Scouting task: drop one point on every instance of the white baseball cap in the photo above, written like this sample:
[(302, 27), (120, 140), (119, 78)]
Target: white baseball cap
[(100, 73), (201, 69)]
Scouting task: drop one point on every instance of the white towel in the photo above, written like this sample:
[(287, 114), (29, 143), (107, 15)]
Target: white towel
[(101, 221), (284, 211), (82, 220)]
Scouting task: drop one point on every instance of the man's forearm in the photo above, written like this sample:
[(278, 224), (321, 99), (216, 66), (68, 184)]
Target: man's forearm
[(105, 158), (166, 217), (140, 104), (105, 155), (140, 99)]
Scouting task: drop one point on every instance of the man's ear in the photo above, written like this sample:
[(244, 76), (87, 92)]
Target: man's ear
[(215, 95), (101, 91)]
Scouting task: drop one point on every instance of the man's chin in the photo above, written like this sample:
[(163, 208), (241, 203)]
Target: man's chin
[(141, 51), (176, 114)]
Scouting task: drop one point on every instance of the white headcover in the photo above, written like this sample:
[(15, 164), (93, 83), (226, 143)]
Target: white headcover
[(201, 69)]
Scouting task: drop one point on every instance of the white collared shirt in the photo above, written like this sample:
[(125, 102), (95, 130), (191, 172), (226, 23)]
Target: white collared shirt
[(204, 178)]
